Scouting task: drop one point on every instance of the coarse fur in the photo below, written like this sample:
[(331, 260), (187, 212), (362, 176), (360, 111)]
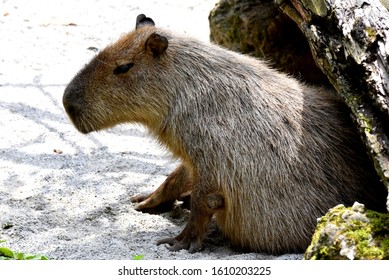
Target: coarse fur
[(263, 153)]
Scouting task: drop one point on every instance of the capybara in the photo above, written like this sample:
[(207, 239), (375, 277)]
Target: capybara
[(261, 152)]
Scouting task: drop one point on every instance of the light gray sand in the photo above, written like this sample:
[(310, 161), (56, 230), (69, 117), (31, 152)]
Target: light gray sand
[(65, 194)]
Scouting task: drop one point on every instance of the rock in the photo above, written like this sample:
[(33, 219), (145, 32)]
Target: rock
[(259, 28), (352, 233)]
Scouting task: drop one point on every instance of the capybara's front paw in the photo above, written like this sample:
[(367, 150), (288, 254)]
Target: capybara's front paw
[(177, 186), (193, 244)]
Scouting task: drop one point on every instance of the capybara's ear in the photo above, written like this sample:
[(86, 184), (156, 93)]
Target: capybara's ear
[(142, 20), (157, 44)]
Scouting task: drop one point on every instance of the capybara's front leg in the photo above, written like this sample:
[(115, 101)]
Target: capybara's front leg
[(203, 206), (176, 184)]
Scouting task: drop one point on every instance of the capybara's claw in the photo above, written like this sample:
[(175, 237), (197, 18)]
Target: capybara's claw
[(144, 201), (192, 246), (151, 203), (139, 198), (171, 241)]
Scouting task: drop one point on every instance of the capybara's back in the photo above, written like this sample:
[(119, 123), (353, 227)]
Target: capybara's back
[(263, 153)]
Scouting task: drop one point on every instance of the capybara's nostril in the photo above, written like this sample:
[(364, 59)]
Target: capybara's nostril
[(72, 109), (72, 105)]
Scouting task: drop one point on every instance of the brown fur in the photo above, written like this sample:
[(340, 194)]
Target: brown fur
[(261, 152)]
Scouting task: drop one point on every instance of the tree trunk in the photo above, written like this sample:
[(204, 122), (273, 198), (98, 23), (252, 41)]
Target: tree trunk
[(260, 29), (349, 40)]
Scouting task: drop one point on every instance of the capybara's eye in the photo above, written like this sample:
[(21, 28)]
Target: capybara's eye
[(121, 69)]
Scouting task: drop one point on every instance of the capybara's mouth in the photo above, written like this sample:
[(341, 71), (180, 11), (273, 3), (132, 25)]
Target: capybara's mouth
[(80, 124), (84, 129)]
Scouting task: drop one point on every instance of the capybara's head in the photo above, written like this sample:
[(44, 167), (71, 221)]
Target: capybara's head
[(122, 83)]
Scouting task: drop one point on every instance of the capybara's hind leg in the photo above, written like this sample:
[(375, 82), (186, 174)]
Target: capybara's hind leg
[(178, 183), (203, 205)]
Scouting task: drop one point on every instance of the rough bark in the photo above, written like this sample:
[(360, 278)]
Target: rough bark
[(349, 40)]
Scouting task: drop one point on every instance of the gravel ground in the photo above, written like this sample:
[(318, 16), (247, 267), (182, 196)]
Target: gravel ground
[(64, 194)]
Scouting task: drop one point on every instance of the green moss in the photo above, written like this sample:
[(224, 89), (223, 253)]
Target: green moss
[(318, 7), (351, 233), (379, 224), (365, 248), (354, 102), (371, 33), (365, 122), (234, 23)]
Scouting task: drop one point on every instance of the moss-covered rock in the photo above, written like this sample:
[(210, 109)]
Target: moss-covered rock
[(351, 233)]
